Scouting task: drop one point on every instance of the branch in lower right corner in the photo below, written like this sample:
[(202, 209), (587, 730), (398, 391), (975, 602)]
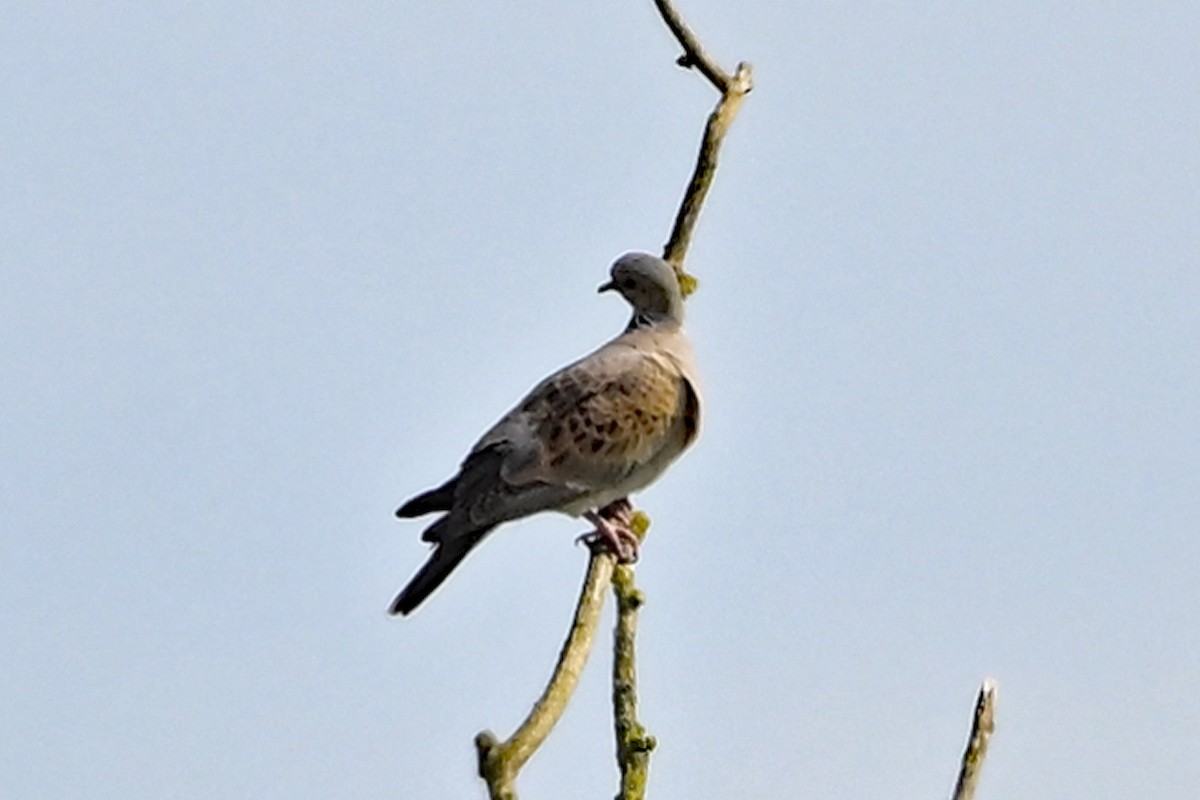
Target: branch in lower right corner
[(983, 724)]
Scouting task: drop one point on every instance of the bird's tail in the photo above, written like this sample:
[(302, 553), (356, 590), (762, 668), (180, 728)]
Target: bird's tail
[(439, 499), (452, 548)]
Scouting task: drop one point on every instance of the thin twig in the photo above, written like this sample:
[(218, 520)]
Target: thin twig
[(634, 744), (733, 89), (694, 54), (499, 762), (982, 725)]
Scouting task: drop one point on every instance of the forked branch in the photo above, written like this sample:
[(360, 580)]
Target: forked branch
[(733, 88)]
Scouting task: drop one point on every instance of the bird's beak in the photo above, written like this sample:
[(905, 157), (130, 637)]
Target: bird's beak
[(607, 287)]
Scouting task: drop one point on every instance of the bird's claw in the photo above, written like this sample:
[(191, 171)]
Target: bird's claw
[(612, 532), (620, 511), (624, 549)]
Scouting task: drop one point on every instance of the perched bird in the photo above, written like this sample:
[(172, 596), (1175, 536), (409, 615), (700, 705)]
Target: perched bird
[(581, 441)]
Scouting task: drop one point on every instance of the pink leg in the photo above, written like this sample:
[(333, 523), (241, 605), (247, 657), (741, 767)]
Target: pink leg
[(621, 510), (612, 530)]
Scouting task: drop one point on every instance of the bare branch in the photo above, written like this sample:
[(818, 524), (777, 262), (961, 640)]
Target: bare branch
[(733, 89), (634, 744), (499, 762), (675, 250), (982, 725), (694, 54)]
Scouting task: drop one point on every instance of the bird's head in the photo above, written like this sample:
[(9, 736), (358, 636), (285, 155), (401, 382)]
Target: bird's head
[(650, 286)]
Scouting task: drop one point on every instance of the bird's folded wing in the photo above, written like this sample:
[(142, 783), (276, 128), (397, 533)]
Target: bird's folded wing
[(484, 497), (594, 422)]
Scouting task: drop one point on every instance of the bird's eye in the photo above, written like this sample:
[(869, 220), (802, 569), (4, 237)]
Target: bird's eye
[(627, 283)]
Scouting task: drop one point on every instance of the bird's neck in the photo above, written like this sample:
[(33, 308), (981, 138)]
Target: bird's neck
[(642, 320)]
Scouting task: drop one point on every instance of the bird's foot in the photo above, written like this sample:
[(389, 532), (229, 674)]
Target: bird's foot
[(619, 510), (612, 532)]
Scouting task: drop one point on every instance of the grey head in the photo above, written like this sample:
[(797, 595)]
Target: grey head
[(650, 286)]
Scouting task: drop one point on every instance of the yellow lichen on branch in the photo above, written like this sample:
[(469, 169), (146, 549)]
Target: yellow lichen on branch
[(634, 744)]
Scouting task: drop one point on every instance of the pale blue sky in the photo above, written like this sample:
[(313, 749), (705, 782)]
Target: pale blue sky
[(267, 272)]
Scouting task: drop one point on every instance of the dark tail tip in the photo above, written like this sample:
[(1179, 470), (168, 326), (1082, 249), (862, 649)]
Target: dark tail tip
[(428, 578), (403, 606), (449, 554)]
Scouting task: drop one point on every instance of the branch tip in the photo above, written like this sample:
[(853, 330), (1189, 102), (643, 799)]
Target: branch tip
[(983, 724), (733, 88)]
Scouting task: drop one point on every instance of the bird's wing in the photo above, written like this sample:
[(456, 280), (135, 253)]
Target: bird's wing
[(484, 496), (593, 423)]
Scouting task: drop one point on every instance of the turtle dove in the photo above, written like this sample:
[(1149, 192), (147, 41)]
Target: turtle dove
[(581, 441)]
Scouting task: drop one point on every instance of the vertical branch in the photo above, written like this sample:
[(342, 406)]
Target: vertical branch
[(982, 725), (634, 744)]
